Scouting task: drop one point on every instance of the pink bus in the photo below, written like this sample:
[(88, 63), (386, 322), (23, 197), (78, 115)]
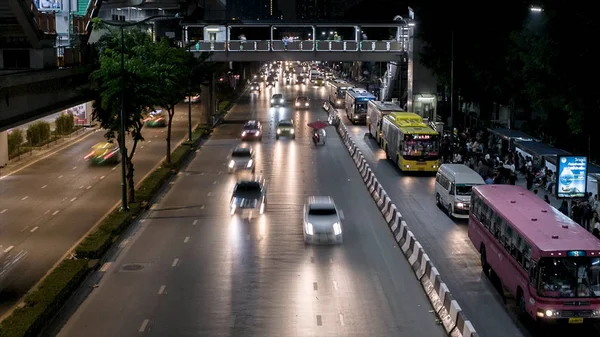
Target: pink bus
[(543, 258)]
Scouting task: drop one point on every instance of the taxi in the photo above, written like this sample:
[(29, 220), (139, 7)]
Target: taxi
[(103, 153), (286, 128)]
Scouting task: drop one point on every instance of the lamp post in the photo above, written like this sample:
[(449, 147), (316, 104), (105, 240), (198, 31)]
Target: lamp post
[(452, 82), (122, 129)]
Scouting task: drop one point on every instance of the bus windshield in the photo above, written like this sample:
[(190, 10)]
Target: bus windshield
[(415, 147), (341, 93), (566, 277), (360, 107)]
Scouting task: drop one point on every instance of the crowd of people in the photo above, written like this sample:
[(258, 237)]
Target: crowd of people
[(484, 154)]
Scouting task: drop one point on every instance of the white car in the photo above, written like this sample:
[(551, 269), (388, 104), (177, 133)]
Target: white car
[(278, 100), (322, 222), (242, 158)]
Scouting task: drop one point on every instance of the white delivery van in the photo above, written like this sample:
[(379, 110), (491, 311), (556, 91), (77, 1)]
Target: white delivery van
[(453, 184)]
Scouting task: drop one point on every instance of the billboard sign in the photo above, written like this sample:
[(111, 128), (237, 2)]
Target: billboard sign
[(572, 177), (49, 5), (79, 113)]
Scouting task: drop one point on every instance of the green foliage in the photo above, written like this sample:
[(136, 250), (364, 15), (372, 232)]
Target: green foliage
[(41, 305), (15, 142), (38, 133), (65, 124)]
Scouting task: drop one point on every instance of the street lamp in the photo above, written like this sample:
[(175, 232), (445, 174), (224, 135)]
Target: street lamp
[(122, 113), (536, 9)]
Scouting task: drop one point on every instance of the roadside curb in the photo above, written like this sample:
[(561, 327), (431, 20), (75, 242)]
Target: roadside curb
[(446, 307)]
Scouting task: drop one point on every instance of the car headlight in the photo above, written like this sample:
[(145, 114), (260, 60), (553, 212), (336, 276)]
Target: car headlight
[(278, 131), (309, 229), (250, 163), (292, 131), (297, 104), (281, 101), (272, 101), (460, 205), (306, 104), (337, 228), (243, 133), (596, 313), (231, 164)]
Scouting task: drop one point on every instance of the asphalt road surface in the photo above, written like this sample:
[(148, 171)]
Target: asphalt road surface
[(190, 269), (447, 243), (48, 206)]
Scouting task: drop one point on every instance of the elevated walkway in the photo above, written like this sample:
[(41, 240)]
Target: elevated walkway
[(217, 40)]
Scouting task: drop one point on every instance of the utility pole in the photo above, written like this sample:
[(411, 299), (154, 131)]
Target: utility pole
[(452, 83)]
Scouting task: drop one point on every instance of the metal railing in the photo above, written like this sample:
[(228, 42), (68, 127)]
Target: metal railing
[(303, 46)]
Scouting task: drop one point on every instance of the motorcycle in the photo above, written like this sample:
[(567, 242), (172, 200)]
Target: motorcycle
[(318, 137)]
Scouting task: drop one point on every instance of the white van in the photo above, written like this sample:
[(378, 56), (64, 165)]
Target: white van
[(453, 184)]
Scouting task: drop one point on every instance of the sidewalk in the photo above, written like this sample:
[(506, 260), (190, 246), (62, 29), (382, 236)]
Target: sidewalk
[(521, 181), (29, 158)]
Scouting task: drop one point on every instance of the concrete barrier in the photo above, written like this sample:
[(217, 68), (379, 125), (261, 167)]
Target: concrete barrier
[(447, 309)]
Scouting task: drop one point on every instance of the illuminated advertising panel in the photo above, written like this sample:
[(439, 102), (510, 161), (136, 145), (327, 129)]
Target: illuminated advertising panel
[(49, 5), (572, 177)]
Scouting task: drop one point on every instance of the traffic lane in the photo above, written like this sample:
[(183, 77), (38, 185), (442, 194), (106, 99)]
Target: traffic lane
[(41, 191), (230, 269), (49, 225), (445, 241)]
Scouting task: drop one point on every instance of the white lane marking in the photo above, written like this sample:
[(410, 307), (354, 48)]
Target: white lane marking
[(24, 198), (209, 194), (335, 285), (214, 182), (101, 177), (161, 290), (81, 187), (175, 262), (186, 240), (342, 319), (4, 211), (153, 207), (74, 167), (55, 212), (73, 199), (144, 325), (142, 147), (9, 249), (24, 229), (232, 321), (150, 141), (44, 186), (60, 177), (114, 168), (201, 206), (194, 223), (341, 215), (89, 187), (34, 229), (48, 211), (123, 244), (105, 266)]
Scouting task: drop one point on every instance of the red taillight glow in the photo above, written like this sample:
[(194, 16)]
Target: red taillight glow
[(108, 155), (89, 155), (158, 120)]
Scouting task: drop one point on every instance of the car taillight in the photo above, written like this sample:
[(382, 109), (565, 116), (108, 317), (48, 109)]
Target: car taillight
[(89, 155), (108, 155), (158, 120)]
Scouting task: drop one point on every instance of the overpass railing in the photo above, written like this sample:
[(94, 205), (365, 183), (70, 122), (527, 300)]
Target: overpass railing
[(301, 46)]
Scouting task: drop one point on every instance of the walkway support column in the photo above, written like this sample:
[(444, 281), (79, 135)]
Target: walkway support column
[(3, 148)]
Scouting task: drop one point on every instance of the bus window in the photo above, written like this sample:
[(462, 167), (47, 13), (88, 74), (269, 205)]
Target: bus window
[(507, 237), (516, 249), (487, 215), (526, 255)]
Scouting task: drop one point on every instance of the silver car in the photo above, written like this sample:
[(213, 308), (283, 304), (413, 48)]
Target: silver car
[(322, 222), (242, 158)]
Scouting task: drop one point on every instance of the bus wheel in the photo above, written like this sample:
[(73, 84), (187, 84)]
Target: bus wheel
[(483, 257)]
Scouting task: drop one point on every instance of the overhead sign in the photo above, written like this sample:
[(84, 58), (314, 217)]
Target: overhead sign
[(49, 5), (572, 177)]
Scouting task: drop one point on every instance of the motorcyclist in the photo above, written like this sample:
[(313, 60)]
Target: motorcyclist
[(316, 137)]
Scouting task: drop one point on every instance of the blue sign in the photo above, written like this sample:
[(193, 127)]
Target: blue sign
[(572, 176), (576, 253)]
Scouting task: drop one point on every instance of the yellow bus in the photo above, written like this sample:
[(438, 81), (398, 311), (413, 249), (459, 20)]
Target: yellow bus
[(410, 143)]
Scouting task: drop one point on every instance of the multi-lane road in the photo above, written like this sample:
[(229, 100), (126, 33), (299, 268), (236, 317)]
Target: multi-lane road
[(447, 243), (190, 269), (47, 206)]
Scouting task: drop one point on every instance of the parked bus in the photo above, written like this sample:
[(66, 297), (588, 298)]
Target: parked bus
[(375, 112), (542, 257), (337, 92), (356, 104), (410, 143)]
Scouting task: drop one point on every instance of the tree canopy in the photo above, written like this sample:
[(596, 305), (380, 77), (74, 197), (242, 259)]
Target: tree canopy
[(505, 53)]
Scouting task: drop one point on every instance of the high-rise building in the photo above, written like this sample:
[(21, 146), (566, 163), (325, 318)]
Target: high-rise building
[(252, 9), (323, 9)]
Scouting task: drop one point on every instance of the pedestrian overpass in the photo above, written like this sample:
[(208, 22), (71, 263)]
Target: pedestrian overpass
[(217, 39)]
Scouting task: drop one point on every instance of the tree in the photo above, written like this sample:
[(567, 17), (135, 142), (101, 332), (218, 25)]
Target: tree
[(171, 76), (139, 87)]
